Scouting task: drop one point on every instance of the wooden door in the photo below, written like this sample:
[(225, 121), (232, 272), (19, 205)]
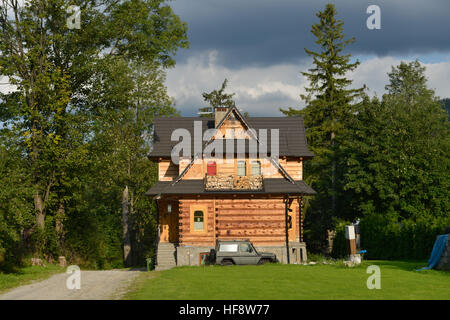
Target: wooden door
[(173, 225), (169, 221), (292, 235), (164, 227)]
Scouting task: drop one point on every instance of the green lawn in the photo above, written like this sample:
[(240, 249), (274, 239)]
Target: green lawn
[(27, 275), (399, 280)]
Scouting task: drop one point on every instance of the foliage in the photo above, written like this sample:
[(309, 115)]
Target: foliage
[(80, 118), (398, 167), (446, 105), (339, 249), (16, 211), (384, 237), (217, 98), (330, 103)]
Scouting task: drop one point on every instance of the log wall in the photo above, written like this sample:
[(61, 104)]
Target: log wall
[(262, 220), (293, 166), (167, 170)]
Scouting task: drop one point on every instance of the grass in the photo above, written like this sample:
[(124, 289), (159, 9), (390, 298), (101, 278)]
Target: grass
[(399, 280), (27, 275)]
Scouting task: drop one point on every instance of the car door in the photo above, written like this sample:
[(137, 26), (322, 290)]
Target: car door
[(247, 255)]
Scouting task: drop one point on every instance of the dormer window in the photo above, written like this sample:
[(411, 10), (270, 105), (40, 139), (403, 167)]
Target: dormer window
[(256, 168), (241, 169)]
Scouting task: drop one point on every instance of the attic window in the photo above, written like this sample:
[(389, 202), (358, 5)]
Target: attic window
[(241, 169), (256, 168)]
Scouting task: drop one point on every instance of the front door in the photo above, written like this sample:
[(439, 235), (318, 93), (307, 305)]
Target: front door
[(292, 221), (168, 213)]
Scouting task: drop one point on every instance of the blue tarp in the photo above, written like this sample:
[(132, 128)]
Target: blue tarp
[(436, 254)]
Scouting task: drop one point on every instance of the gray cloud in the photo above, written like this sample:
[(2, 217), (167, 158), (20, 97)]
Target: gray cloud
[(265, 32), (262, 91)]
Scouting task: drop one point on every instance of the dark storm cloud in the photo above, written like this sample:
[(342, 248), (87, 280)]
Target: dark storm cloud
[(265, 32)]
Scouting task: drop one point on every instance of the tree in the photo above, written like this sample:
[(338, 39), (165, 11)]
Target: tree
[(54, 69), (217, 98), (128, 96), (446, 105), (16, 212), (397, 171), (329, 104)]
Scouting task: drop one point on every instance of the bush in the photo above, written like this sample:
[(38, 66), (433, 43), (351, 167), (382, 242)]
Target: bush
[(339, 242), (385, 237)]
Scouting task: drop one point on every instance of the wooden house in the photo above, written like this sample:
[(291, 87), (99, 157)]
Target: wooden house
[(201, 199)]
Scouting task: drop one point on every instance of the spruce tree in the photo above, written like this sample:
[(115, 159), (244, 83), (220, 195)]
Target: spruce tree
[(329, 103), (217, 98)]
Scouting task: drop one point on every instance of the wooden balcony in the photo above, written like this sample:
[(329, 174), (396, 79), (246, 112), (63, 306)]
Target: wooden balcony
[(231, 182)]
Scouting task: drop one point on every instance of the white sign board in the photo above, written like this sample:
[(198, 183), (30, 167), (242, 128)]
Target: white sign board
[(349, 232)]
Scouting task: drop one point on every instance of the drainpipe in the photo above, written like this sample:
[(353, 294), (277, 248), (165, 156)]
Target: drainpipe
[(286, 203)]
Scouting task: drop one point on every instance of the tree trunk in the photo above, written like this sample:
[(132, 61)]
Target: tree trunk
[(126, 228), (39, 207), (59, 225), (333, 177)]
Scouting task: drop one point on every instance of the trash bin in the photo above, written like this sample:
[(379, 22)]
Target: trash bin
[(149, 264)]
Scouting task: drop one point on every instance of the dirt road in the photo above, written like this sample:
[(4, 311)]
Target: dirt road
[(95, 285)]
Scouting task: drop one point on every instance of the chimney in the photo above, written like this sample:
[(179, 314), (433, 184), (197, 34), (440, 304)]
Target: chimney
[(219, 113)]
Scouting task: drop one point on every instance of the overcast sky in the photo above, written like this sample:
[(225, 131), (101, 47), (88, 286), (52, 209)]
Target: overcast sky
[(259, 46)]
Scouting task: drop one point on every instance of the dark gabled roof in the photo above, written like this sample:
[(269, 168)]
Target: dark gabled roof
[(291, 133), (285, 135), (197, 187), (252, 136)]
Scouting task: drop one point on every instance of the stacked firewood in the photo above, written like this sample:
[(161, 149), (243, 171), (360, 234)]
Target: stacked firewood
[(230, 182), (256, 182), (219, 182), (248, 183), (241, 183)]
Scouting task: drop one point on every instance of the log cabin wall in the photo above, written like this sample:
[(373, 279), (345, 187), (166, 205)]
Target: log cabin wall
[(262, 220), (187, 235), (232, 128), (167, 170), (293, 166)]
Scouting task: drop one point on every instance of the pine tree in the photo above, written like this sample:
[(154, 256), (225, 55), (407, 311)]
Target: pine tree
[(329, 103)]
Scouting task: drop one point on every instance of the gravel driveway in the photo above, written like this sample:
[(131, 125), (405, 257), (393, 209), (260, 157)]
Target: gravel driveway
[(95, 285)]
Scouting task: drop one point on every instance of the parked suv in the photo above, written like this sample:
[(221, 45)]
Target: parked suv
[(238, 252)]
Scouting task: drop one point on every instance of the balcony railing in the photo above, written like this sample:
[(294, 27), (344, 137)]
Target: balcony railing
[(231, 182)]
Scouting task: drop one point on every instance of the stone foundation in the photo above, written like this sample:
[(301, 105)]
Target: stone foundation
[(190, 255), (444, 263)]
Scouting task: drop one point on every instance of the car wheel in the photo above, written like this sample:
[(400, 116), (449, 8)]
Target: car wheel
[(227, 262), (264, 261)]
